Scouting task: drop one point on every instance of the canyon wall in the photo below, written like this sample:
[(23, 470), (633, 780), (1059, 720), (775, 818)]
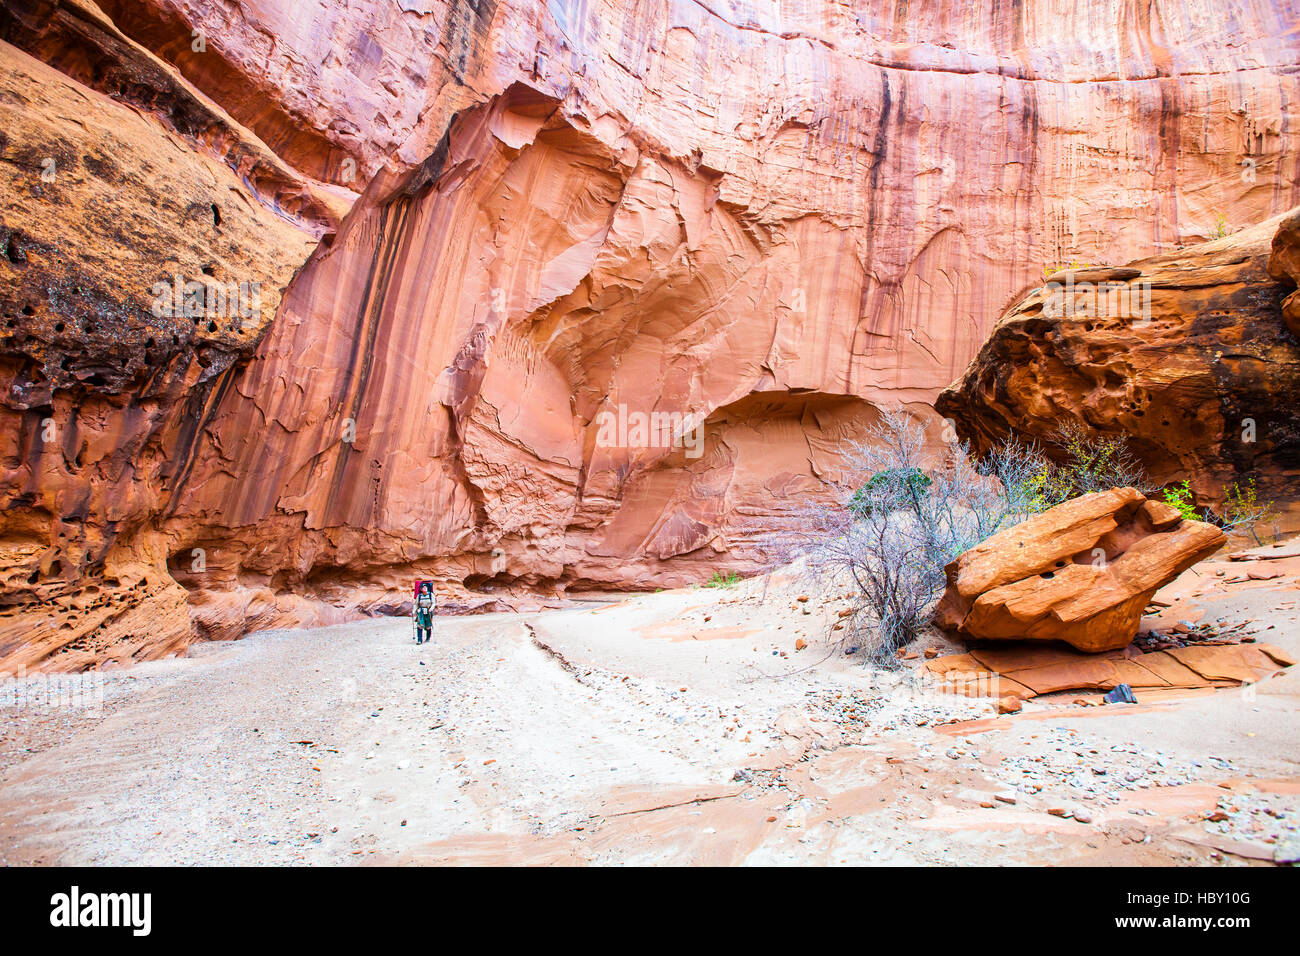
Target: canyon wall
[(510, 224)]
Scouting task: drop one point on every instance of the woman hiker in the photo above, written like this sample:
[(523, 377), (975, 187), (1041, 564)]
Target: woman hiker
[(423, 610)]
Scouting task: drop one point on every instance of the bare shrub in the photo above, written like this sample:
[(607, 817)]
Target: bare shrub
[(1242, 512), (1021, 472), (896, 523)]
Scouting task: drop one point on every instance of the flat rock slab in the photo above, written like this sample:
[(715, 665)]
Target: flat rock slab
[(1029, 670)]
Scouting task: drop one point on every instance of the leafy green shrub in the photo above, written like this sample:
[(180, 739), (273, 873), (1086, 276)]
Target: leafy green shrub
[(1242, 511), (894, 487), (1180, 496)]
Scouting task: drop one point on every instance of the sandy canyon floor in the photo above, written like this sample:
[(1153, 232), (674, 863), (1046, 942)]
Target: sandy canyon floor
[(673, 728)]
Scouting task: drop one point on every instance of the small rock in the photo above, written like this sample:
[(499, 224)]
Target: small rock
[(1287, 849)]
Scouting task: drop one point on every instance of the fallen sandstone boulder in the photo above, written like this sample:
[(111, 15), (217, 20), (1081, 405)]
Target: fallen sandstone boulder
[(1081, 572)]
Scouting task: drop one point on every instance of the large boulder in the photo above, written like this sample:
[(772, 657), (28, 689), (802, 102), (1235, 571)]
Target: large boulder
[(1284, 265), (1081, 572), (1192, 355)]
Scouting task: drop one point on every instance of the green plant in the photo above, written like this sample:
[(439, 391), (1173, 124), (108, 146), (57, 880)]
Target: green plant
[(1032, 482), (1049, 270), (1241, 513), (1242, 510), (1220, 227), (1180, 497), (894, 486), (719, 580), (1090, 463)]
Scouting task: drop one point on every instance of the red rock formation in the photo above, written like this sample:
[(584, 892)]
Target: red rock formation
[(763, 220), (103, 398), (1205, 384), (1284, 265), (1080, 573)]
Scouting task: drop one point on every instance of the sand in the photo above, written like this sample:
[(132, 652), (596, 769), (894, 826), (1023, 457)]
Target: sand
[(681, 727)]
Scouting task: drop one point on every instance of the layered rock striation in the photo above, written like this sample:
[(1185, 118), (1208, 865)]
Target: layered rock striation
[(127, 196)]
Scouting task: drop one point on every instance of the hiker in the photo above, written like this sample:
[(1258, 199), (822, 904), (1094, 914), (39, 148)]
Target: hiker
[(423, 610)]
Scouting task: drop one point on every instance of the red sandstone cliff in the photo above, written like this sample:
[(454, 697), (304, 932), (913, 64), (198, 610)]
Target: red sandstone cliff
[(760, 217)]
